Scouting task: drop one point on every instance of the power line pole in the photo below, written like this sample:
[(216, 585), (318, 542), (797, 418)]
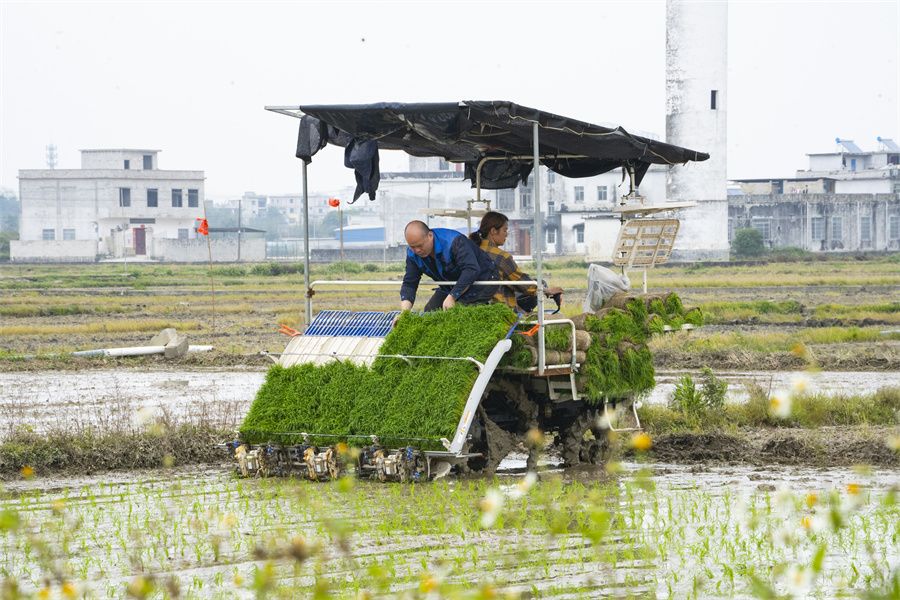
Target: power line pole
[(240, 229)]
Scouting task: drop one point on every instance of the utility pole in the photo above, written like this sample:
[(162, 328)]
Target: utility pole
[(240, 229), (336, 203)]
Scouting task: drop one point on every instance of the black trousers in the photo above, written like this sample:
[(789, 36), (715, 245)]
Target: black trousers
[(481, 295)]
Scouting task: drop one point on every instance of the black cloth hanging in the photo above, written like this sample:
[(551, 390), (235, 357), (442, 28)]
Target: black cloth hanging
[(362, 157)]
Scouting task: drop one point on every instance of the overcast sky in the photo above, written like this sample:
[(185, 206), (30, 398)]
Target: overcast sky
[(191, 78)]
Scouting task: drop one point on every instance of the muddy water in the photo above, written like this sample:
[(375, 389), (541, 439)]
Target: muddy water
[(45, 399)]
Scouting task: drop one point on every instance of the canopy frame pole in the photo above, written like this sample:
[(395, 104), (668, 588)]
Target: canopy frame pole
[(306, 246), (539, 248)]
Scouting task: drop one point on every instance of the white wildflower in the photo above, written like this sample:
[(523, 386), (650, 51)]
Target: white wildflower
[(780, 404), (799, 384), (521, 488), (490, 507)]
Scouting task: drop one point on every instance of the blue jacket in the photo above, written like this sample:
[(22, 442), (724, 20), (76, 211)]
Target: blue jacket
[(456, 258)]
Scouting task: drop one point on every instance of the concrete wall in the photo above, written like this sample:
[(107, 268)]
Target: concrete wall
[(59, 251), (863, 186), (115, 159), (818, 186), (819, 222), (223, 250), (825, 162), (696, 64)]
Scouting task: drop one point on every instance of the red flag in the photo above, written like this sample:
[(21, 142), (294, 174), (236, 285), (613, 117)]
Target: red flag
[(203, 228), (334, 202)]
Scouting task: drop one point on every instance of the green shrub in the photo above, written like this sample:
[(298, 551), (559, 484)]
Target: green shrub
[(229, 271), (714, 390), (792, 254), (274, 269), (5, 238), (747, 243), (694, 402), (342, 268), (686, 398)]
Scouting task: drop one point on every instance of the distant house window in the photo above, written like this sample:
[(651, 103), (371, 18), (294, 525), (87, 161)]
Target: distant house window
[(127, 164), (551, 207), (506, 200), (443, 165), (124, 196), (193, 198), (551, 177), (602, 194), (579, 193), (764, 227), (525, 197), (730, 229), (68, 234), (894, 227), (579, 234), (182, 234), (176, 198), (713, 99), (865, 228), (551, 236), (48, 235), (148, 162), (852, 164), (817, 228), (152, 198), (837, 229)]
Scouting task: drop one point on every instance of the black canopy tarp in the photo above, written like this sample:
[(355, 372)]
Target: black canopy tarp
[(469, 131)]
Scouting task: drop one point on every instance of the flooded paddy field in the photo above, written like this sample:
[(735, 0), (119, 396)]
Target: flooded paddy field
[(657, 530), (701, 524), (43, 400)]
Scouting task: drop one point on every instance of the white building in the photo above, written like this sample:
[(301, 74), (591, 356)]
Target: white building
[(118, 204), (855, 171)]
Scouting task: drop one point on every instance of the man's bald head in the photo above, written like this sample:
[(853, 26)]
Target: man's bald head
[(419, 238)]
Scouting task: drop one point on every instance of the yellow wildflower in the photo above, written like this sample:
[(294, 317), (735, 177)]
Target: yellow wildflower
[(641, 442), (68, 590)]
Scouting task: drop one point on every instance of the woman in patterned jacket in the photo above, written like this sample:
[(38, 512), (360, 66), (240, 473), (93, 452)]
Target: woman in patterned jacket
[(490, 235)]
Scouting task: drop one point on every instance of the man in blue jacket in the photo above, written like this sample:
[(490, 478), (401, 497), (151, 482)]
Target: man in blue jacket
[(446, 255)]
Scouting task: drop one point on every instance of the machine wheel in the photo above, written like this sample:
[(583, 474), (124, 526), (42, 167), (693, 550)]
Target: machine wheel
[(575, 448), (595, 451)]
